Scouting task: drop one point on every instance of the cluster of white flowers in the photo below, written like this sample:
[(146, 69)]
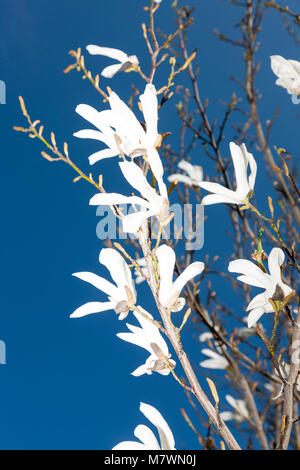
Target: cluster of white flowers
[(124, 136)]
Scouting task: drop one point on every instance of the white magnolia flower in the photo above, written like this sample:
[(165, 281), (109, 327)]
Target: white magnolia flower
[(275, 288), (244, 184), (169, 291), (151, 203), (125, 62), (215, 362), (121, 131), (147, 437), (149, 338), (288, 73), (194, 174), (117, 294), (240, 410)]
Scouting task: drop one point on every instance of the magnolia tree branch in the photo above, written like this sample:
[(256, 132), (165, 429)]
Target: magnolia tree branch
[(288, 406), (172, 334)]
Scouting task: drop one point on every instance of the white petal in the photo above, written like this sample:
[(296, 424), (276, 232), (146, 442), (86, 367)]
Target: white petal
[(91, 307), (157, 168), (250, 270), (90, 134), (216, 199), (275, 261), (98, 282), (146, 436), (110, 199), (108, 52), (217, 188), (101, 155), (150, 106), (132, 222), (118, 269), (259, 301), (166, 262), (138, 340), (129, 445), (253, 168), (126, 120), (181, 179), (165, 433), (189, 273), (227, 415), (240, 162), (136, 178), (254, 316), (111, 70), (141, 370)]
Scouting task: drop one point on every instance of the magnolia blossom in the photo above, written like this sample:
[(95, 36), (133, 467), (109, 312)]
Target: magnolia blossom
[(194, 174), (215, 362), (121, 131), (149, 338), (288, 73), (275, 288), (169, 291), (146, 436), (125, 62), (240, 410), (150, 202), (117, 294), (244, 184)]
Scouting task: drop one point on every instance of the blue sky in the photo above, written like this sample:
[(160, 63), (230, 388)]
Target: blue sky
[(67, 382)]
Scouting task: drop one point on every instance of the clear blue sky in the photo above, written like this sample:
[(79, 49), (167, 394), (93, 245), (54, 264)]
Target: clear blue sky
[(67, 382)]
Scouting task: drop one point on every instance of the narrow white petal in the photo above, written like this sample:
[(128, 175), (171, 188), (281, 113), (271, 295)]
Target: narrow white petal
[(90, 134), (141, 370), (181, 178), (217, 188), (165, 433), (101, 155), (250, 270), (240, 162), (259, 301), (227, 415), (275, 261), (146, 436), (166, 262), (189, 273), (136, 178), (111, 70), (129, 445), (150, 107), (118, 269), (108, 52), (253, 168), (132, 338), (217, 198), (254, 316), (110, 199), (155, 163), (91, 307), (98, 282)]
